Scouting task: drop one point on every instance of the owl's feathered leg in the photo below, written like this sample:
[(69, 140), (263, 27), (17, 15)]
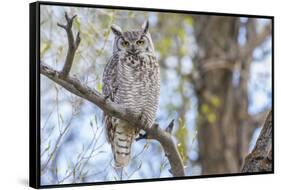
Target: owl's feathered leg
[(143, 119)]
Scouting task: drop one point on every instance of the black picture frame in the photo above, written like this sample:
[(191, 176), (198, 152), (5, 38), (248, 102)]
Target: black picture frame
[(34, 92)]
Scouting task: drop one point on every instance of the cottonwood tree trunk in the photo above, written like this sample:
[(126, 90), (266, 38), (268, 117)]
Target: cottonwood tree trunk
[(220, 79), (260, 159)]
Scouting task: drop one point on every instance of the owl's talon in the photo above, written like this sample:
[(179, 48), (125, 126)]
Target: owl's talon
[(141, 136), (106, 97)]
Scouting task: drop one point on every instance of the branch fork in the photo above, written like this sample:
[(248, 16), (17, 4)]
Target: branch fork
[(72, 44)]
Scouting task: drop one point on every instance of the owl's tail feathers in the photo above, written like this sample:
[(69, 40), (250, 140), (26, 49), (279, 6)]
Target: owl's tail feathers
[(122, 147)]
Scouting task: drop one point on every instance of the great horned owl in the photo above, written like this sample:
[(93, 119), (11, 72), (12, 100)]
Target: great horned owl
[(130, 78)]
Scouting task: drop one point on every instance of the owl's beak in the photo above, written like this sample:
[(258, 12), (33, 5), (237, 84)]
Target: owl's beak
[(133, 50)]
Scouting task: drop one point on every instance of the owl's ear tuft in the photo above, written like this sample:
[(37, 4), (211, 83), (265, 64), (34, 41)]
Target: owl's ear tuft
[(145, 26), (116, 30)]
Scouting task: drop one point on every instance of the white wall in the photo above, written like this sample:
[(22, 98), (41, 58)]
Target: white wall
[(14, 40)]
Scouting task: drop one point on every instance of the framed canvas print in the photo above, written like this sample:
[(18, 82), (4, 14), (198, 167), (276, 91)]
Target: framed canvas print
[(121, 94)]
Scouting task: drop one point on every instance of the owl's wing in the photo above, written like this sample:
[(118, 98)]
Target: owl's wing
[(109, 78), (109, 88)]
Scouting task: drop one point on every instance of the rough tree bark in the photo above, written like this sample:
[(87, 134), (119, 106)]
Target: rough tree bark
[(224, 125), (74, 86), (260, 159)]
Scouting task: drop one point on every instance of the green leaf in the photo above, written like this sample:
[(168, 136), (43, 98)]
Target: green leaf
[(181, 34), (205, 109), (45, 46), (48, 147), (181, 135), (212, 117), (59, 51), (106, 33), (131, 14), (215, 101), (99, 87), (183, 51), (188, 20), (77, 23), (164, 46)]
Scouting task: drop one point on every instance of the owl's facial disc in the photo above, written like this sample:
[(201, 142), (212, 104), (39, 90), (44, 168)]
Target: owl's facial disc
[(132, 41), (135, 46)]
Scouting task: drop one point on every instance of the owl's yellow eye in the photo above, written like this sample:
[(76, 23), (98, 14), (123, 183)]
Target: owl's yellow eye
[(125, 43), (140, 42)]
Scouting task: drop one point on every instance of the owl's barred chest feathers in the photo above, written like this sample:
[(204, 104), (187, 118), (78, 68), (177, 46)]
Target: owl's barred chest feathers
[(131, 78), (138, 82)]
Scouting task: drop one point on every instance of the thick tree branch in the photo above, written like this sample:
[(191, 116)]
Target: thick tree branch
[(260, 159), (74, 86)]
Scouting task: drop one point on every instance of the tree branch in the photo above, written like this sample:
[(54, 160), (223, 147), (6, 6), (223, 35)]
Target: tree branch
[(256, 40), (72, 44), (74, 86), (260, 159)]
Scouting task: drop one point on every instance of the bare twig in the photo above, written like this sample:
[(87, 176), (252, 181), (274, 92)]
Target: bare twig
[(80, 164), (74, 86), (170, 127), (56, 146), (94, 148)]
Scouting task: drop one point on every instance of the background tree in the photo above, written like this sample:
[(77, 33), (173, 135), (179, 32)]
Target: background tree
[(221, 79)]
